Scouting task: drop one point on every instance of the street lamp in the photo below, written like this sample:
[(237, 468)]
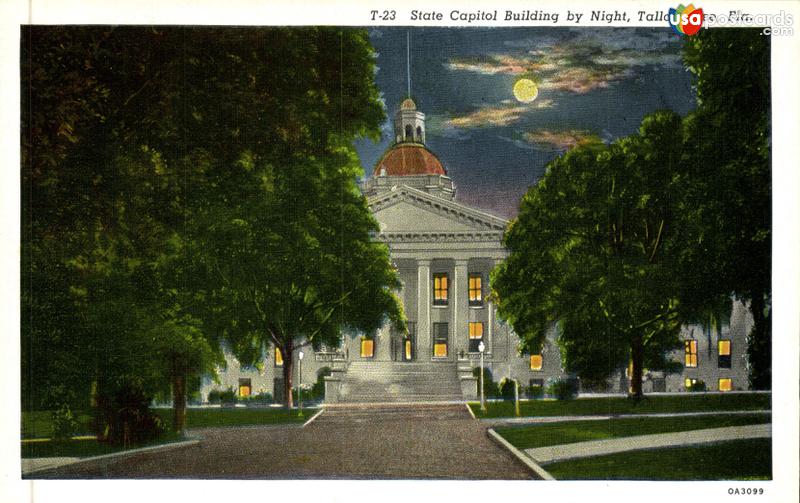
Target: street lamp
[(300, 384), (481, 348)]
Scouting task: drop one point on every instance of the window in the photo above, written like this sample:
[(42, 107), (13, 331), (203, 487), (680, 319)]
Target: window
[(475, 335), (244, 387), (537, 382), (726, 384), (278, 358), (536, 362), (440, 340), (689, 383), (690, 348), (409, 132), (475, 290), (367, 348), (440, 286), (724, 350)]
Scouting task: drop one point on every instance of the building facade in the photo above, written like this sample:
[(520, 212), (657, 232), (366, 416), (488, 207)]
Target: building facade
[(444, 251)]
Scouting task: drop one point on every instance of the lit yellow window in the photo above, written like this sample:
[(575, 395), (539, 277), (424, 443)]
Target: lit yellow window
[(725, 347), (440, 349), (475, 289), (367, 348), (408, 349), (726, 384), (440, 286), (244, 387), (475, 330), (690, 349), (688, 383), (536, 362), (278, 358)]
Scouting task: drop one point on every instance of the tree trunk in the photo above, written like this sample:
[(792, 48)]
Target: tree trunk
[(178, 402), (637, 357), (287, 375), (759, 347)]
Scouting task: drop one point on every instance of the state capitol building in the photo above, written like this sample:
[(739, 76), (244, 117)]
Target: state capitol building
[(444, 252)]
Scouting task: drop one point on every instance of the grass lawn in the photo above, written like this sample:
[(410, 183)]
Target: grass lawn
[(690, 402), (204, 418), (734, 460), (542, 435), (82, 448), (38, 424)]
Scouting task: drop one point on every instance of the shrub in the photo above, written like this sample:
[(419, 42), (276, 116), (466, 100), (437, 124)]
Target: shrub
[(307, 396), (698, 385), (534, 391), (563, 389), (228, 397), (507, 390), (318, 390), (126, 419), (64, 424), (490, 388), (214, 396), (262, 398)]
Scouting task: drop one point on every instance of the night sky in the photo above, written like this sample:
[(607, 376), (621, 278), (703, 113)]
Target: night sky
[(592, 82)]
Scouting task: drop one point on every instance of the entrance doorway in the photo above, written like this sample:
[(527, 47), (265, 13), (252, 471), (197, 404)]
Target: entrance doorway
[(403, 348)]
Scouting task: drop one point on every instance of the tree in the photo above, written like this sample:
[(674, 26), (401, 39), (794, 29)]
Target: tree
[(163, 167), (282, 236), (593, 251), (728, 207)]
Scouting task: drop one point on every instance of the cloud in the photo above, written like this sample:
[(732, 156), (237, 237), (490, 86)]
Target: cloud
[(495, 115), (581, 61), (581, 80), (560, 140)]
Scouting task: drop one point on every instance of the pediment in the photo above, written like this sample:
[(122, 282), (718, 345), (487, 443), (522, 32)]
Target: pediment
[(406, 209)]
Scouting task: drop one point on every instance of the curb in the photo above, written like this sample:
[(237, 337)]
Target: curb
[(469, 409), (312, 418), (527, 460), (152, 448)]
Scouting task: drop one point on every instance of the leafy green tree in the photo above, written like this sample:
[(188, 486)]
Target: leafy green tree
[(593, 251), (144, 149), (728, 206)]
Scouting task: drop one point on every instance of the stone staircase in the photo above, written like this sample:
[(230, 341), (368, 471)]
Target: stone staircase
[(376, 381)]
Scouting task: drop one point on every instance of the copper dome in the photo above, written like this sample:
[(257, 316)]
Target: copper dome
[(409, 159)]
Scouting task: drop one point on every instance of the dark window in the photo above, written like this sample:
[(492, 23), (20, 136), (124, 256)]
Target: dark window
[(537, 382), (419, 134), (409, 133), (440, 289), (475, 290), (724, 350), (440, 340)]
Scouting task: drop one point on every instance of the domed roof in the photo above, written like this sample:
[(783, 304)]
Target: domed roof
[(409, 159), (408, 104)]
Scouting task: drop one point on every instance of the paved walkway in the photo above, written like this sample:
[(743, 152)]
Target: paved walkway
[(553, 453), (503, 421), (389, 442), (33, 464)]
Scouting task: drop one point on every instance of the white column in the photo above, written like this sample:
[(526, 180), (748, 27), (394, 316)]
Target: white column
[(460, 307), (424, 348)]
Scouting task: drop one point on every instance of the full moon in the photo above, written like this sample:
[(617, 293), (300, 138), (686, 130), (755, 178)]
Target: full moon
[(525, 90)]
